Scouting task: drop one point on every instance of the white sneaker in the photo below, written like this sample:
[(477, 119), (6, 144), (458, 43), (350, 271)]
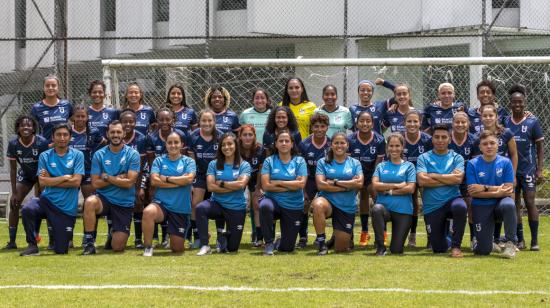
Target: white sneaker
[(148, 252), (205, 250), (496, 248), (509, 250)]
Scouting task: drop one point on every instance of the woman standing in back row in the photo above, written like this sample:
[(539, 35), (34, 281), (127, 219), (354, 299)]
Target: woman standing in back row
[(295, 97)]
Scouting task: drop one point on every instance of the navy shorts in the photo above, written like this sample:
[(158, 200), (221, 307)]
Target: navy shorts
[(200, 181), (61, 223), (341, 220), (120, 216), (177, 223), (25, 179), (526, 182), (311, 188)]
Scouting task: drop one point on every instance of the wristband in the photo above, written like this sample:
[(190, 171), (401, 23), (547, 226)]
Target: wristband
[(222, 184), (167, 179), (336, 182)]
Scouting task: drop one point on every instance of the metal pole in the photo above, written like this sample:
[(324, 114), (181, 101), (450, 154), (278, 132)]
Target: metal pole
[(346, 41), (65, 51), (108, 79)]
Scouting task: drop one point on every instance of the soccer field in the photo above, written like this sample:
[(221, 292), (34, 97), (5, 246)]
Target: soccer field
[(250, 279)]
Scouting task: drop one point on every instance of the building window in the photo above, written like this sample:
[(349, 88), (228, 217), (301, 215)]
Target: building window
[(227, 5), (162, 10), (508, 4), (110, 15), (21, 22)]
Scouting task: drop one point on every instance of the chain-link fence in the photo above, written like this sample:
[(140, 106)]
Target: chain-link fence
[(69, 38)]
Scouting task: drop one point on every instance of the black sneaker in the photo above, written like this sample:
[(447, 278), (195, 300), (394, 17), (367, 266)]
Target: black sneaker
[(381, 251), (302, 243), (108, 245), (31, 250), (323, 250), (10, 245), (89, 250), (138, 244), (535, 246), (50, 246)]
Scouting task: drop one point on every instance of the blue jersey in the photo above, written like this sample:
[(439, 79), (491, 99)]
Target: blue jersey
[(27, 156), (476, 126), (415, 148), (350, 168), (378, 111), (395, 120), (227, 121), (185, 118), (178, 199), (138, 143), (72, 162), (312, 154), (86, 142), (205, 151), (466, 148), (255, 161), (277, 170), (367, 153), (269, 139), (434, 114), (48, 117), (100, 119), (126, 160), (494, 173), (503, 139), (388, 172), (435, 197), (145, 116), (156, 144), (234, 200), (526, 133)]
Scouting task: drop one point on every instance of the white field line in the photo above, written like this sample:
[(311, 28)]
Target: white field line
[(274, 290)]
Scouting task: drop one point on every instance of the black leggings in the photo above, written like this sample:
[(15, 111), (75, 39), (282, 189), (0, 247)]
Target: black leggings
[(233, 218), (401, 224)]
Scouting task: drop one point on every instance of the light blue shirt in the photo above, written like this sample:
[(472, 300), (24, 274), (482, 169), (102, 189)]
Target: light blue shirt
[(435, 197), (105, 161), (350, 168), (72, 162), (388, 172), (177, 199), (234, 200), (277, 170)]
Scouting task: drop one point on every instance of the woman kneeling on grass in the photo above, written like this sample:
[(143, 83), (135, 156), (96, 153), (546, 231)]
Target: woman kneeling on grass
[(284, 176), (338, 177), (226, 178), (394, 181), (172, 174)]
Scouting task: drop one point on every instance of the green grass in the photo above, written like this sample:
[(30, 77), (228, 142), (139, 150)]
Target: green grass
[(418, 269)]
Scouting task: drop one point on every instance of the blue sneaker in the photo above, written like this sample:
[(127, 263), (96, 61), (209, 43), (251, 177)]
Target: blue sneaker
[(268, 251)]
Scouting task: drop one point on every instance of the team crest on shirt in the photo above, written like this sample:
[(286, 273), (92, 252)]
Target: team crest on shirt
[(105, 116), (347, 171), (499, 172), (225, 119), (62, 109), (123, 160), (523, 129), (302, 111), (143, 116), (421, 149), (292, 171), (338, 119), (481, 174), (70, 163), (215, 147), (372, 109), (254, 160), (184, 116), (372, 150), (467, 150), (499, 142), (35, 152), (179, 168), (235, 173)]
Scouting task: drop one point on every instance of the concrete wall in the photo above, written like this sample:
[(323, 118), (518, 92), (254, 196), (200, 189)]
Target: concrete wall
[(7, 56), (84, 22), (37, 29)]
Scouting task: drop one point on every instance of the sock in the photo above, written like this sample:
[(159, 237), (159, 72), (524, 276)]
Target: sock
[(321, 239), (137, 226), (471, 225), (37, 225), (188, 232), (13, 234), (364, 222), (164, 229), (534, 227), (259, 234), (519, 232), (414, 224), (88, 238), (156, 232), (194, 230), (496, 234), (304, 225), (220, 224)]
